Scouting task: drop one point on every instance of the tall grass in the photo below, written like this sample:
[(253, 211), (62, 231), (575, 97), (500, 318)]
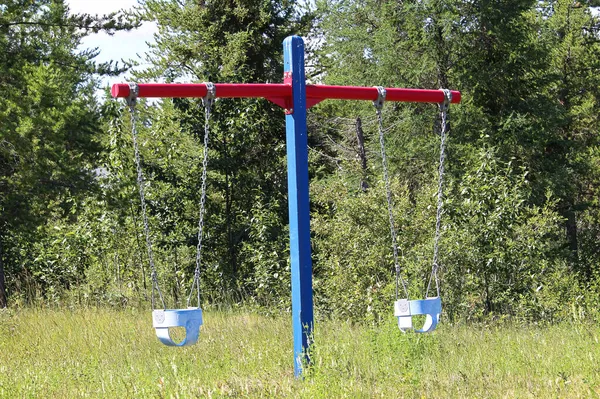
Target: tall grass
[(108, 353)]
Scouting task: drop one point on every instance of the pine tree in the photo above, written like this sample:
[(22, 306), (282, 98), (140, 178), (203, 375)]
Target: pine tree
[(49, 118), (572, 35), (238, 42)]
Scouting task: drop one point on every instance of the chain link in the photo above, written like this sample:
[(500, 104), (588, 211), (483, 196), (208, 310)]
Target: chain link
[(132, 101), (440, 194), (379, 106), (208, 102)]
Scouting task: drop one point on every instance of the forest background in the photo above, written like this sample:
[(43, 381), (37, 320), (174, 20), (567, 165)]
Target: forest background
[(521, 226)]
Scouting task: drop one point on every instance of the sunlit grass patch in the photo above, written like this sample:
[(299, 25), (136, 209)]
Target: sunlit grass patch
[(108, 353), (551, 361)]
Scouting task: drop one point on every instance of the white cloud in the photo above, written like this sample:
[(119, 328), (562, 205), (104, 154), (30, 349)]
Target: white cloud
[(99, 6), (121, 45)]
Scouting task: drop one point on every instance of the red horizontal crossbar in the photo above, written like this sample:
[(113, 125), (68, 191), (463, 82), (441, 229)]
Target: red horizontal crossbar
[(282, 92)]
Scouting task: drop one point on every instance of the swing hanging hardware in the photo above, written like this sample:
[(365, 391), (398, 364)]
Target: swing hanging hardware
[(131, 101), (378, 104), (134, 92), (444, 108), (445, 105), (208, 101), (211, 94), (164, 319), (430, 307), (381, 94)]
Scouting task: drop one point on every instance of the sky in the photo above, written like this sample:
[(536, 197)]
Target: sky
[(121, 45)]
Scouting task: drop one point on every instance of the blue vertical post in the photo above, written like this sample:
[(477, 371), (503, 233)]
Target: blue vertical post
[(297, 158)]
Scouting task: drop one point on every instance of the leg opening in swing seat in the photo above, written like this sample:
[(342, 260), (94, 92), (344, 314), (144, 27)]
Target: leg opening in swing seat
[(405, 310), (177, 334), (172, 324)]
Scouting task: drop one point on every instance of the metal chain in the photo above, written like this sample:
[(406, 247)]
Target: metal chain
[(208, 102), (132, 101), (378, 106), (440, 198)]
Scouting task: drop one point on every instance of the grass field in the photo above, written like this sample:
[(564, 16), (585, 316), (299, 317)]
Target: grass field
[(114, 354)]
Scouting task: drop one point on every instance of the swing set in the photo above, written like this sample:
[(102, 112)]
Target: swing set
[(295, 96)]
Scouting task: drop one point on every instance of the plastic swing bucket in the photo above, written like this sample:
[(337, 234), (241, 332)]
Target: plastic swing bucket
[(405, 309), (190, 319)]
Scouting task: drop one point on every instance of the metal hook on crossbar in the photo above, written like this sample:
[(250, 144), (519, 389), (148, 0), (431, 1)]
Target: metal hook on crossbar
[(134, 92), (381, 93), (445, 105), (211, 94)]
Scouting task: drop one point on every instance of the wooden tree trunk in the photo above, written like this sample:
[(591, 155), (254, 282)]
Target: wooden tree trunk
[(362, 154), (571, 229), (3, 297)]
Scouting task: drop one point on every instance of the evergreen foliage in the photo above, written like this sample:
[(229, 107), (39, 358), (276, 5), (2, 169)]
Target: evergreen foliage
[(48, 134), (521, 221)]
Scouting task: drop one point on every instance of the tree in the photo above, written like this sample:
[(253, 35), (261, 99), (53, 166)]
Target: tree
[(572, 35), (50, 119), (222, 41), (511, 61)]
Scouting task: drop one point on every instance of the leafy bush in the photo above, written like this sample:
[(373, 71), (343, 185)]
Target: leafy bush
[(499, 254), (500, 251)]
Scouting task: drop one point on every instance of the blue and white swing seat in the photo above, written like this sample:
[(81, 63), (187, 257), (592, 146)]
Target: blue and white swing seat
[(190, 319), (405, 309)]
